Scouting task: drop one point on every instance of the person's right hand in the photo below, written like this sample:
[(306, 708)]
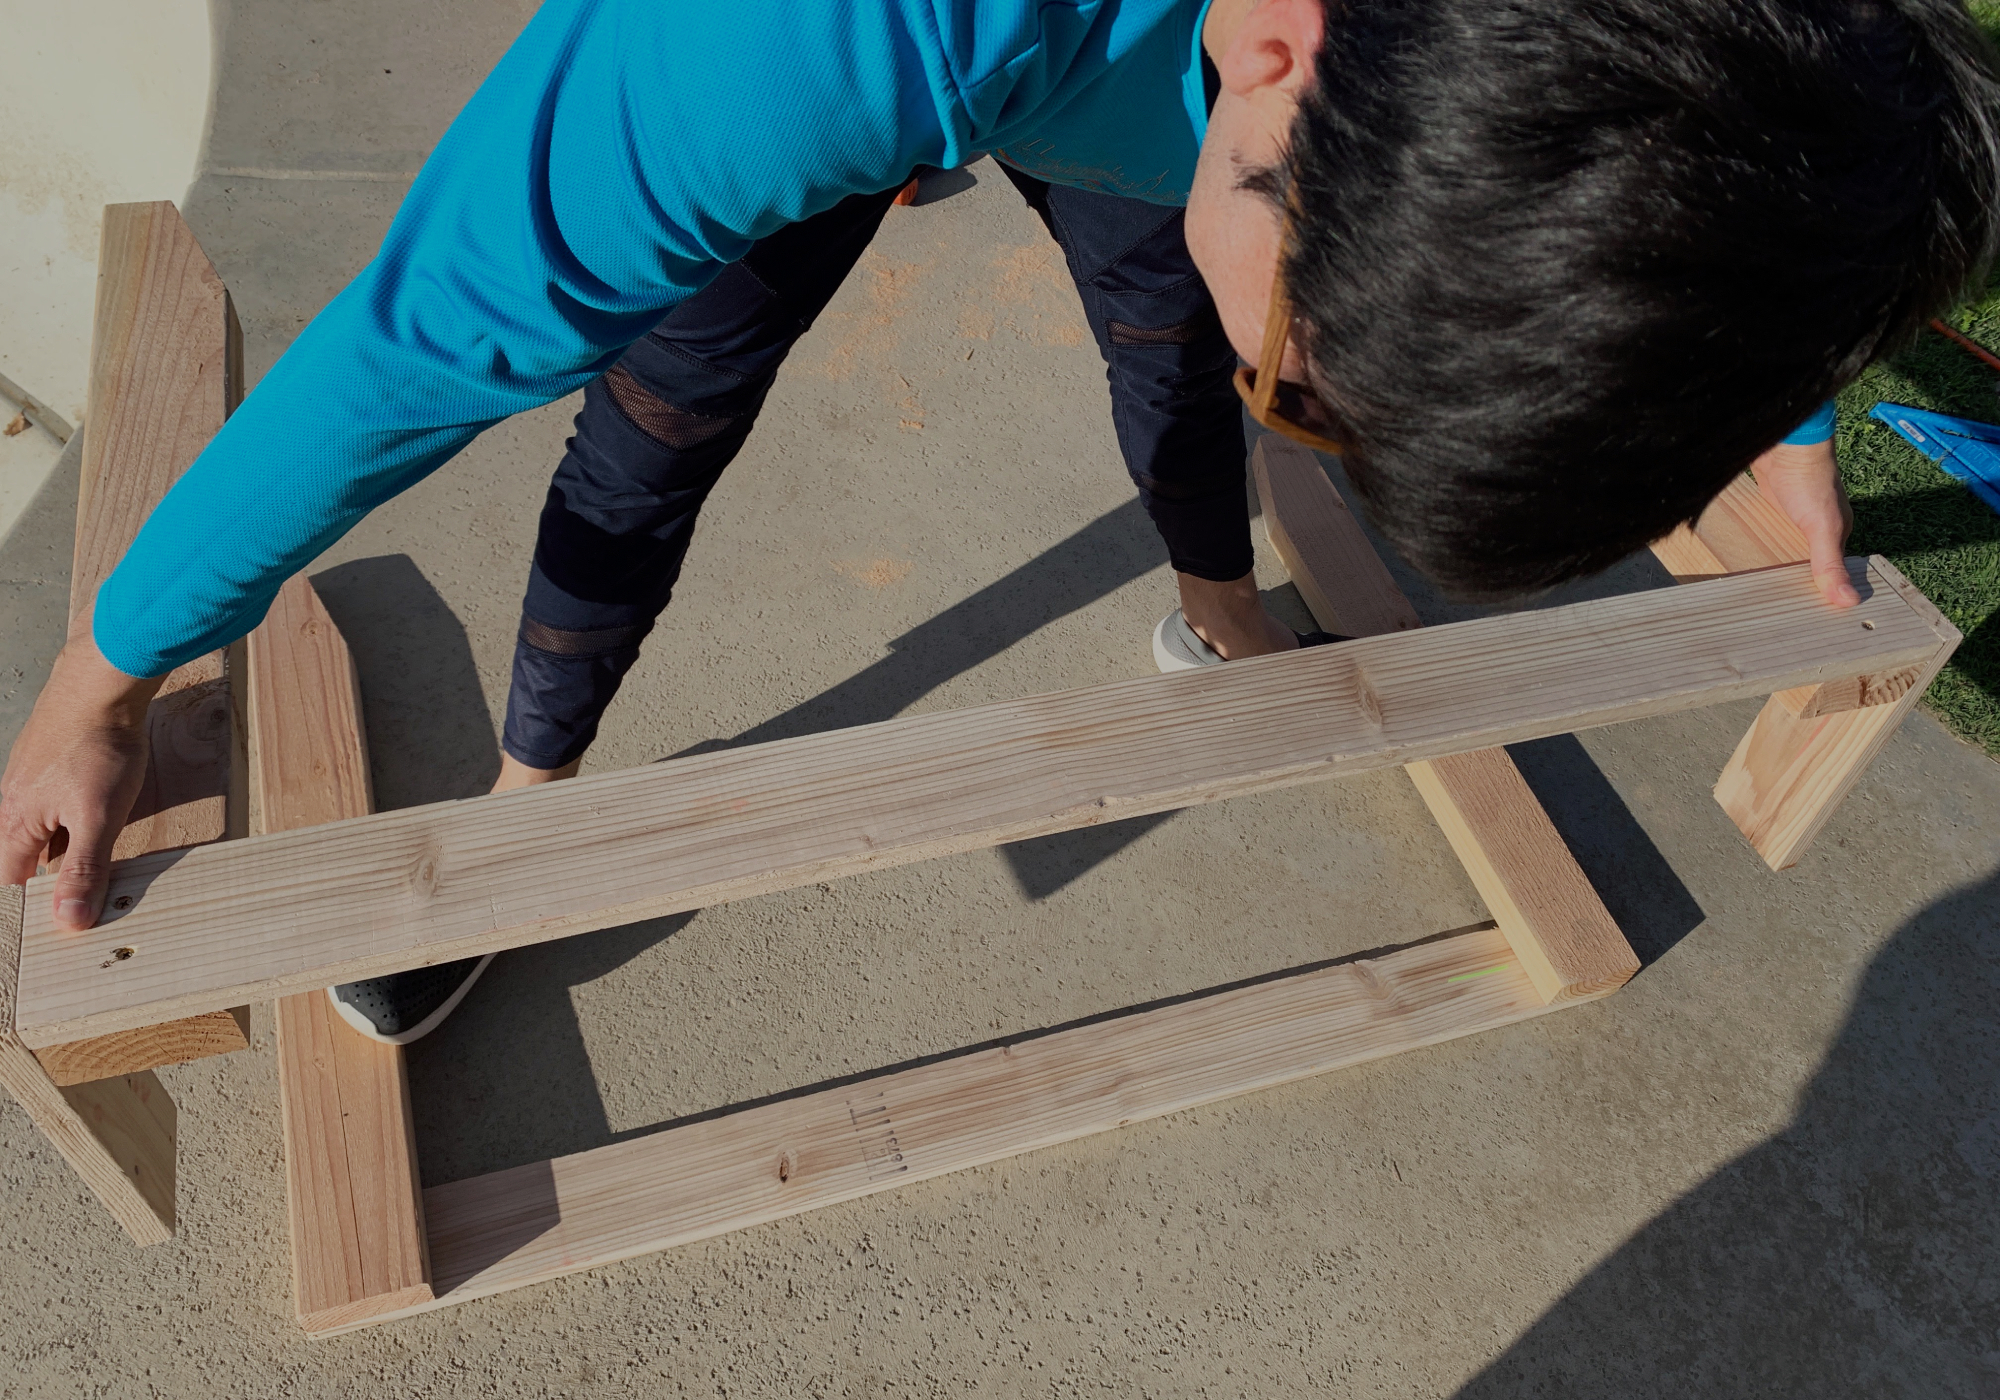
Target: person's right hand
[(73, 774)]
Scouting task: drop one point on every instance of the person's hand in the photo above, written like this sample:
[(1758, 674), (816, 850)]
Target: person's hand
[(1804, 482), (73, 775)]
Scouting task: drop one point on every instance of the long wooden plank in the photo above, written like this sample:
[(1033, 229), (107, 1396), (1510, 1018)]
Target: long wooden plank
[(1517, 860), (1811, 744), (355, 1200), (351, 1178), (165, 372), (291, 911), (705, 1178), (117, 1134)]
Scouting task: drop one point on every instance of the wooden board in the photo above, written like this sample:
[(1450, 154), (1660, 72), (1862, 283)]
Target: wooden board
[(540, 1221), (164, 373), (117, 1134), (148, 1047), (1811, 744), (165, 370), (351, 1178), (291, 911), (1518, 861)]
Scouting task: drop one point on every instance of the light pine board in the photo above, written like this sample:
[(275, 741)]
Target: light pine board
[(1565, 937), (291, 911), (117, 1134), (1811, 744), (165, 369), (148, 1047), (546, 1219), (352, 1184), (164, 374)]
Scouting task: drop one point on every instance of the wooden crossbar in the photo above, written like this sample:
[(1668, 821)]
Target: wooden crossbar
[(291, 911), (722, 1173), (1518, 861)]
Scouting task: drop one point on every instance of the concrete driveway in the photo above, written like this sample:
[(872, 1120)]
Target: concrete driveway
[(1769, 1167)]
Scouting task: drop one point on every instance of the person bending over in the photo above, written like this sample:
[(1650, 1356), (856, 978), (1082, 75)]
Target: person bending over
[(1548, 274)]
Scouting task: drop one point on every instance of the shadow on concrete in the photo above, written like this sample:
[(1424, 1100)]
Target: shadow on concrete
[(1856, 1253), (1646, 898), (1105, 555), (34, 591), (430, 738), (936, 185), (507, 1080)]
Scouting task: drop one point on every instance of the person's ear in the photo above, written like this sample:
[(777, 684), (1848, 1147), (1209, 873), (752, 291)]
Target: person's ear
[(1268, 58)]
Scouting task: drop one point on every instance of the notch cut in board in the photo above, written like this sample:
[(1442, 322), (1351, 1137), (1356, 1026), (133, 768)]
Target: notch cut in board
[(1517, 860), (540, 1221), (293, 911), (1810, 745), (352, 1187)]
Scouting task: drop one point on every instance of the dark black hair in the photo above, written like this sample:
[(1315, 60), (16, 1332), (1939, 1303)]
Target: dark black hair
[(1563, 268)]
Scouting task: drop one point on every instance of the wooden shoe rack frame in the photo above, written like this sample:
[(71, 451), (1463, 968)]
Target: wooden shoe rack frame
[(254, 867)]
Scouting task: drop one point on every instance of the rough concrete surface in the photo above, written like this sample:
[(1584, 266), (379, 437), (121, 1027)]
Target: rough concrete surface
[(1769, 1167)]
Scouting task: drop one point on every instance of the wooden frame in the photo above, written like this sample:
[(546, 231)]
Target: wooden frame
[(326, 892)]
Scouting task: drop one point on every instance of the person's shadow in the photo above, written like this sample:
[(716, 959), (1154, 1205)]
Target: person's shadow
[(1856, 1253)]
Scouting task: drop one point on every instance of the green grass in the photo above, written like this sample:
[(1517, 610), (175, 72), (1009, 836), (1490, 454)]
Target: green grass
[(1938, 533)]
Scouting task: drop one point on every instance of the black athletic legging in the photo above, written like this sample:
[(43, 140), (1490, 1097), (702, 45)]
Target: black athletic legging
[(658, 428)]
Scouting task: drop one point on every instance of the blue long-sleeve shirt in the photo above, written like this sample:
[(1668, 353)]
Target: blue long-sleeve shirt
[(619, 156)]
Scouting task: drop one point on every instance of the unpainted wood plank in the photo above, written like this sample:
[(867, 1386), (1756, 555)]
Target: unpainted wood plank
[(1789, 775), (1853, 693), (165, 370), (540, 1221), (309, 753), (1565, 938), (1810, 744), (148, 1047), (1336, 570), (351, 1177), (352, 1186), (291, 911), (117, 1134)]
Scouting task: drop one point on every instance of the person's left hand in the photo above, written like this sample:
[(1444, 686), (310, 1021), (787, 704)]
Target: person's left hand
[(1804, 482)]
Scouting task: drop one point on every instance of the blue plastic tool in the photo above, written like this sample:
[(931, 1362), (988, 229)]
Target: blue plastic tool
[(1965, 449)]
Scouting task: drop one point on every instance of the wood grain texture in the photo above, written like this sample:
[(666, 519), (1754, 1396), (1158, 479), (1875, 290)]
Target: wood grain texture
[(1811, 744), (1563, 935), (291, 911), (1789, 774), (352, 1184), (1336, 570), (309, 754), (165, 371), (148, 1047), (1853, 693), (117, 1134), (1566, 939), (705, 1178)]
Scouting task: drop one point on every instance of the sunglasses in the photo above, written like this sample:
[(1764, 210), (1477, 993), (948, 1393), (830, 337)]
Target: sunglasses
[(1292, 409)]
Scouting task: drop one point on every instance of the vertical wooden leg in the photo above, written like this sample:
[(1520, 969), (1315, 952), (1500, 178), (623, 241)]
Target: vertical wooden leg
[(117, 1134), (1798, 761), (1560, 930), (359, 1247)]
